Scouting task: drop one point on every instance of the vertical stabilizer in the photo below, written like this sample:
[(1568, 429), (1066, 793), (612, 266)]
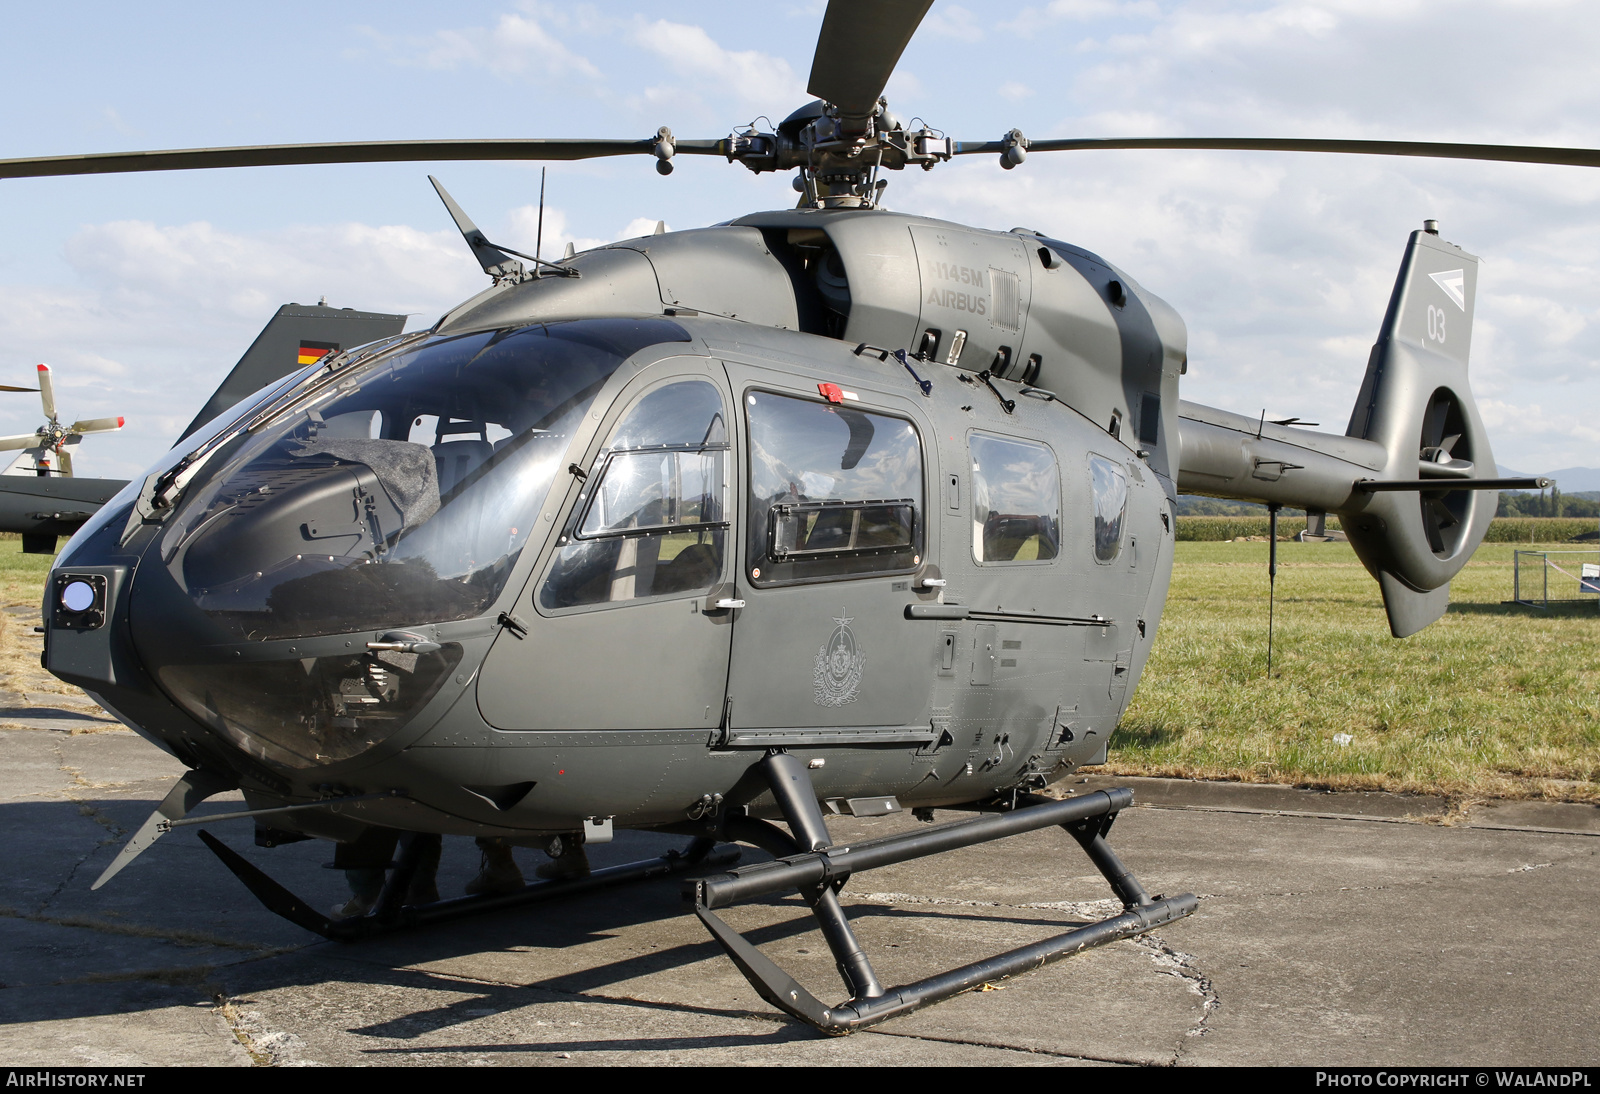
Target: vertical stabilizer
[(1415, 401), (295, 337)]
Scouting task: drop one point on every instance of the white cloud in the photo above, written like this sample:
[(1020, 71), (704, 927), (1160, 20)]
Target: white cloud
[(1014, 91), (158, 314), (640, 226), (755, 80), (952, 21), (558, 231), (517, 45), (1080, 11), (1101, 9)]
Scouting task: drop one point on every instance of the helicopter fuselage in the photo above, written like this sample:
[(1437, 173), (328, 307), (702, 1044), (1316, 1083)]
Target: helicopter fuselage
[(930, 596)]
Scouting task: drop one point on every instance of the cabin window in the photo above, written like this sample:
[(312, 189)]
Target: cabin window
[(835, 491), (652, 518), (1016, 500), (1110, 506)]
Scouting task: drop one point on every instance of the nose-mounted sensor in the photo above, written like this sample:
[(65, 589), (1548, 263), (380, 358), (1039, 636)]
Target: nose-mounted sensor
[(80, 601)]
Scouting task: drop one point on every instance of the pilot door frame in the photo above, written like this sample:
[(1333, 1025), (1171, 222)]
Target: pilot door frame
[(552, 677)]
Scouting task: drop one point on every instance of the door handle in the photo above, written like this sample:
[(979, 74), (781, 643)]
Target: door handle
[(722, 598)]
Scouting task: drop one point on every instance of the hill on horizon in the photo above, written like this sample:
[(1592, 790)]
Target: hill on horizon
[(1572, 480)]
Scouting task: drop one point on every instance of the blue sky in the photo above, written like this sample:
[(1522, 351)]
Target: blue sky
[(142, 290)]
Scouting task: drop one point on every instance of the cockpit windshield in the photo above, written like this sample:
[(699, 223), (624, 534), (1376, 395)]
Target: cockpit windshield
[(403, 495)]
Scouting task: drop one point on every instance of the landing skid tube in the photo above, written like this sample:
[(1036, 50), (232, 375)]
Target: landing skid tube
[(389, 914), (819, 870)]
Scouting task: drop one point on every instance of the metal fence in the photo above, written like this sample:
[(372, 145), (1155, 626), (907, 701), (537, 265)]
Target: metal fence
[(1543, 578)]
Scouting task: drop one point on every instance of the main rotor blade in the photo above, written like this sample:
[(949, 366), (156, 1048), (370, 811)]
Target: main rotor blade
[(9, 387), (47, 392), (1509, 153), (275, 155), (860, 43)]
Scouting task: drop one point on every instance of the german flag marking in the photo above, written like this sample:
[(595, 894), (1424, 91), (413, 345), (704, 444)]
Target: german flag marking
[(312, 352)]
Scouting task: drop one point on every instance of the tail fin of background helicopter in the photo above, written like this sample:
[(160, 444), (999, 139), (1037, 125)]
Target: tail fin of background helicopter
[(43, 508), (1412, 480), (297, 336)]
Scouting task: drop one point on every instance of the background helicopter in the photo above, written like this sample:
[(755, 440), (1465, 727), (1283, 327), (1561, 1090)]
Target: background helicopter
[(1083, 364), (40, 497)]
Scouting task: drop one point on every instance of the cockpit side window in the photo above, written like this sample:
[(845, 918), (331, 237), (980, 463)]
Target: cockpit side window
[(652, 519), (1016, 500), (1110, 484), (834, 491)]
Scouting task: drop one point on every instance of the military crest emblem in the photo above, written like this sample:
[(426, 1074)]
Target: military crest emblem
[(836, 674)]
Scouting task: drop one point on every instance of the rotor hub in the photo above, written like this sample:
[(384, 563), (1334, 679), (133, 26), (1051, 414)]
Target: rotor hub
[(838, 157)]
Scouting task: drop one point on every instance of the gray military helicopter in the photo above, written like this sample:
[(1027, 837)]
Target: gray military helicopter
[(827, 510)]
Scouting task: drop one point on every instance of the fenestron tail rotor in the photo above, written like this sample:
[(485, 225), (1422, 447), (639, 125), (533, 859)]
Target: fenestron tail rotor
[(50, 446)]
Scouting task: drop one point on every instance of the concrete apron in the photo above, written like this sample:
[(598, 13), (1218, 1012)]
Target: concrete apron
[(1332, 930)]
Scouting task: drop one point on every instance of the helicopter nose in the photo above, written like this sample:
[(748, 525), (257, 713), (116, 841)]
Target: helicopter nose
[(305, 712)]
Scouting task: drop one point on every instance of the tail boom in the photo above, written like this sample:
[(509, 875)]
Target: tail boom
[(1413, 479)]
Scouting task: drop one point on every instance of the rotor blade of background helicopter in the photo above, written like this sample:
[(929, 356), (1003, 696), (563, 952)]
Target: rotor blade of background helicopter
[(47, 392), (64, 461), (1510, 153), (857, 49), (21, 440), (276, 155), (9, 387), (97, 425)]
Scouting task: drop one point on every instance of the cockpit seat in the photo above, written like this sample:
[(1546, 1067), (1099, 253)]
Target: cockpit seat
[(696, 567), (458, 459)]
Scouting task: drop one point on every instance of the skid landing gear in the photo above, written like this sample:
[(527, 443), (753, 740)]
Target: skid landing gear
[(389, 914), (810, 863)]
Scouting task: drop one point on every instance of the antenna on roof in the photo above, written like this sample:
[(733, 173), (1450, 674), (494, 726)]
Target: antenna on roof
[(538, 240)]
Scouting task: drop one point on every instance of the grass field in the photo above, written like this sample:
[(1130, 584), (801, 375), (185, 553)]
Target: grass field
[(22, 585), (1493, 700)]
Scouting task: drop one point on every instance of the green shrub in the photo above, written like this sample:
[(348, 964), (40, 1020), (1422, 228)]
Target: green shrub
[(1538, 529), (1215, 529)]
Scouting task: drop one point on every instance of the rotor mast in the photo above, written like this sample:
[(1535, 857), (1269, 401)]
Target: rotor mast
[(840, 142)]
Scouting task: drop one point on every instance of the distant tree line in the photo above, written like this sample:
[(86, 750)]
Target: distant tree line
[(1193, 505), (1549, 504)]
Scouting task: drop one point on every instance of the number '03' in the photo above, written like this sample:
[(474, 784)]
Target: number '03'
[(1436, 323)]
